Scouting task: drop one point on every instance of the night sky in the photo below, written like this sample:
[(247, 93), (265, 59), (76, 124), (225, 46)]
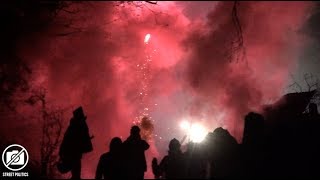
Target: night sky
[(196, 66)]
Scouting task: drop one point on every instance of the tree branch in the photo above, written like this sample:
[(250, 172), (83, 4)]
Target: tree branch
[(238, 44), (152, 2)]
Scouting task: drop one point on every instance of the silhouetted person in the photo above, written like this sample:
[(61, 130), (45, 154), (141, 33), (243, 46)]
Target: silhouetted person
[(173, 165), (253, 129), (222, 150), (252, 145), (111, 165), (76, 141), (134, 149), (195, 161)]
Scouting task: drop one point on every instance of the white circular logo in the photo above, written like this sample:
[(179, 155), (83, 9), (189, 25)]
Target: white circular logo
[(15, 157)]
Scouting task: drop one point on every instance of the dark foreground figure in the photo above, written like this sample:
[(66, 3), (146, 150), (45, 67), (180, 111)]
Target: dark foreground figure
[(173, 165), (289, 149), (76, 141), (111, 165), (124, 160), (134, 152)]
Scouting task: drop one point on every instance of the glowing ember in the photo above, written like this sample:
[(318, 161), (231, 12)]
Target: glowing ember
[(147, 38)]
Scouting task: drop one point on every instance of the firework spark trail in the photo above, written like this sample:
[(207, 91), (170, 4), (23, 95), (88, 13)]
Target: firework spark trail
[(144, 74), (188, 61)]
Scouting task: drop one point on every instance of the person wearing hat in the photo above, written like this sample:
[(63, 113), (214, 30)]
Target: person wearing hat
[(76, 141)]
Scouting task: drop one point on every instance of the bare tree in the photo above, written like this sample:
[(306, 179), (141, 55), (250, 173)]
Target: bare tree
[(51, 125), (313, 84), (316, 98), (295, 85), (21, 19), (311, 81), (237, 51)]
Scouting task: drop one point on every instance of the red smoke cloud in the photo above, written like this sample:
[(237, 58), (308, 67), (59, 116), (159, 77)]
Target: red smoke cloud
[(271, 45), (190, 73)]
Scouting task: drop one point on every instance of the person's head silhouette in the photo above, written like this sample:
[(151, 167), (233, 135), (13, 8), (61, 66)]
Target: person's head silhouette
[(115, 144), (174, 145), (78, 116), (78, 113), (135, 131)]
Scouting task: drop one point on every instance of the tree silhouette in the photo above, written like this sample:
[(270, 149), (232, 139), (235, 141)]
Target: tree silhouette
[(51, 125), (21, 19), (237, 48)]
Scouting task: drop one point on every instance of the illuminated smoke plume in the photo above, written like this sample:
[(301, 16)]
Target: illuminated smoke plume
[(191, 71), (146, 128), (271, 41)]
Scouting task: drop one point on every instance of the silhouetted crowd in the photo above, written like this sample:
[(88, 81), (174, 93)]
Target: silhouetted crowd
[(290, 151), (125, 160)]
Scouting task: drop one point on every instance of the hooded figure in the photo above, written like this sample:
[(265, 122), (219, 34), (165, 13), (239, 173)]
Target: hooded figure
[(76, 141), (173, 165), (110, 165)]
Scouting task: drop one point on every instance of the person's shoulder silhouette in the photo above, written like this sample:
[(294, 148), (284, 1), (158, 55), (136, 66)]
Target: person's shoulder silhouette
[(135, 139), (134, 149), (172, 165), (110, 165)]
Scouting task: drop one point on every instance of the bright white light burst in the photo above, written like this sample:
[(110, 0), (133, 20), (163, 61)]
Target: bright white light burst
[(146, 38), (196, 132), (185, 125)]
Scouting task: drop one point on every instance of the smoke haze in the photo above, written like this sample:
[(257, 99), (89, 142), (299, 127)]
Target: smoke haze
[(195, 71)]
